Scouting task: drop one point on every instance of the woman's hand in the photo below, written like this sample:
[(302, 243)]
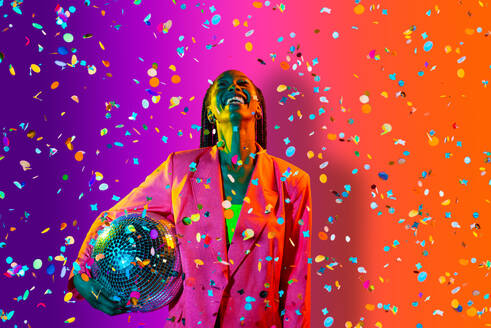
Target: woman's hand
[(92, 292)]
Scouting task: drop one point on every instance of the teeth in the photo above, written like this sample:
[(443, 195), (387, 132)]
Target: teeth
[(235, 100)]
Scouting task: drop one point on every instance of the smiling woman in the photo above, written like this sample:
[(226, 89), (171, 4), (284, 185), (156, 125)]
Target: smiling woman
[(243, 218)]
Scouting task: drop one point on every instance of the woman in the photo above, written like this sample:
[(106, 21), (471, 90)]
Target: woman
[(247, 270)]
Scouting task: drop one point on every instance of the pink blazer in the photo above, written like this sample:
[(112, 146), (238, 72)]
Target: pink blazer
[(264, 278)]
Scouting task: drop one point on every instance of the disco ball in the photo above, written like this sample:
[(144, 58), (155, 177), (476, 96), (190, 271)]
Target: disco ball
[(137, 262)]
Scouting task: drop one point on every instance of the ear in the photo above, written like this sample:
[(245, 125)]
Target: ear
[(259, 112)]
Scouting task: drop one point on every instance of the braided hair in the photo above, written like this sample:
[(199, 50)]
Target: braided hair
[(209, 135)]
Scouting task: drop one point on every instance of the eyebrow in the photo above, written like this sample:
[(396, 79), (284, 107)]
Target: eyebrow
[(243, 77)]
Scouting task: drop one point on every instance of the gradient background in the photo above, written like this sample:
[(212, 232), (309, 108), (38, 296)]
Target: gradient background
[(436, 220)]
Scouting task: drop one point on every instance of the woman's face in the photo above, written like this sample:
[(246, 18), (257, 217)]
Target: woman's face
[(233, 97)]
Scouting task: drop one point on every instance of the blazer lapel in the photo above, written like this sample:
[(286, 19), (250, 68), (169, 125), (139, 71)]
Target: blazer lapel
[(259, 205)]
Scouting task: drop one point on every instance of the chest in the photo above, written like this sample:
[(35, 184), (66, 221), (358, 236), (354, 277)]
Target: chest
[(235, 187)]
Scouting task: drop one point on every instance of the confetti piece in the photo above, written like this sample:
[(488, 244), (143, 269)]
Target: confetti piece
[(55, 85), (79, 156), (70, 320), (359, 9), (35, 68), (175, 79)]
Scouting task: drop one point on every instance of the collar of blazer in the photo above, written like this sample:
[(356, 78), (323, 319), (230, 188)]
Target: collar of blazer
[(258, 207)]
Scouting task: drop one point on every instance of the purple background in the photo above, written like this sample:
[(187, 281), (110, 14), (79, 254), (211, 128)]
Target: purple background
[(48, 208)]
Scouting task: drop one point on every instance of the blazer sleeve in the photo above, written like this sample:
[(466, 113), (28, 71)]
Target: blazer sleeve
[(153, 195), (295, 275)]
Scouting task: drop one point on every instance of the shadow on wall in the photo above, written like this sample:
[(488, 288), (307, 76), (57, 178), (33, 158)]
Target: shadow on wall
[(343, 303)]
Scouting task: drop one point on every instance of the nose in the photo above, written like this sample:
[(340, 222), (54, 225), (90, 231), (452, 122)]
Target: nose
[(233, 86)]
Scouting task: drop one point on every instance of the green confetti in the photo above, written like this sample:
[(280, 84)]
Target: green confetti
[(36, 25)]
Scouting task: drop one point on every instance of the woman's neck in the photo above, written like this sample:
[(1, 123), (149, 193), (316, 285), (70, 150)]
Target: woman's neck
[(236, 143)]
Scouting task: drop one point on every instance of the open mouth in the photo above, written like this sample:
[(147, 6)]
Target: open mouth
[(235, 100)]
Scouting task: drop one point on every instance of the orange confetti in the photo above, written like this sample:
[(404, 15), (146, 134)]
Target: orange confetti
[(284, 65), (84, 277), (55, 85), (433, 141), (175, 79), (359, 9), (228, 213), (257, 4), (154, 82), (366, 108), (322, 235), (79, 156)]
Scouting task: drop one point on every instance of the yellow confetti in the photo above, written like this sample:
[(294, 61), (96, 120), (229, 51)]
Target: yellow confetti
[(74, 98), (172, 68), (35, 68), (74, 60), (45, 230), (259, 266), (454, 303), (413, 213), (70, 320), (91, 69), (248, 233), (446, 202), (198, 262), (323, 178), (471, 312), (460, 73), (235, 22), (68, 296), (448, 49), (257, 4), (281, 88), (433, 141), (359, 9), (248, 46), (102, 46), (11, 70), (319, 258), (378, 324)]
